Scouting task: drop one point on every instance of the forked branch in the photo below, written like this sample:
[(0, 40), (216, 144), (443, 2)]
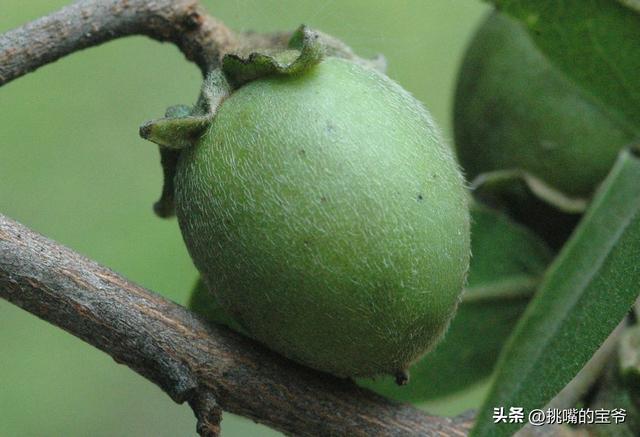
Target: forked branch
[(87, 23)]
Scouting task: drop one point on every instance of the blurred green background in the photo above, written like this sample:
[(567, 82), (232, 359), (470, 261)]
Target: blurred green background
[(73, 168)]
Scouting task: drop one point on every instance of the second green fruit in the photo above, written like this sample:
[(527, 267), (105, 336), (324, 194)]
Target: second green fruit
[(515, 110)]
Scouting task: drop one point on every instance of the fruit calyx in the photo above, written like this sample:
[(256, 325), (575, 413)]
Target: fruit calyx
[(182, 126), (306, 49)]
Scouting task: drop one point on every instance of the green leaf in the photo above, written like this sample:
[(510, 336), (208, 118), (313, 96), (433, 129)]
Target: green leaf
[(586, 292), (596, 43), (507, 264)]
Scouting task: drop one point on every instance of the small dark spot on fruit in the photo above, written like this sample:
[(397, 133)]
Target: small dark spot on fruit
[(420, 197), (331, 128), (302, 152), (323, 199), (402, 377)]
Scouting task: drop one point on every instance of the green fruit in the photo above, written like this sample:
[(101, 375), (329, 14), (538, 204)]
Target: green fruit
[(515, 110), (324, 211), (506, 267)]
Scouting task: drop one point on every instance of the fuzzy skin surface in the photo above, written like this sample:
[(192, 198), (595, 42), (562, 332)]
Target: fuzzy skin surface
[(515, 110), (329, 218)]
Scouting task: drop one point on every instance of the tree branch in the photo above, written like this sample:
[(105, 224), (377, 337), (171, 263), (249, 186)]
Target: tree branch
[(86, 23), (210, 367)]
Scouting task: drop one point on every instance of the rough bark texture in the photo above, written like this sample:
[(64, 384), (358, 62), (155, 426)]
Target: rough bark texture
[(209, 367), (202, 38)]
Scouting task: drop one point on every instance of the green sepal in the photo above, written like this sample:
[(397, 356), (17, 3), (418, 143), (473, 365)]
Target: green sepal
[(306, 50), (168, 160), (338, 49), (215, 89), (164, 207), (174, 133), (181, 127)]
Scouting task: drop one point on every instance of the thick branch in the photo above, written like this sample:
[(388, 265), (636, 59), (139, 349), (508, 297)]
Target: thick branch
[(188, 359), (86, 23)]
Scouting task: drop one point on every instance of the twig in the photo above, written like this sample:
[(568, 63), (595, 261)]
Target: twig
[(193, 362), (87, 23)]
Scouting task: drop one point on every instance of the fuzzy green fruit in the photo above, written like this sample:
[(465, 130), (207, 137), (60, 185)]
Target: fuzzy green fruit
[(328, 217), (515, 110), (508, 261)]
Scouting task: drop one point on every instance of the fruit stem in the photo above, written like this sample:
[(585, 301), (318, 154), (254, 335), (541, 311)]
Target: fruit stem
[(402, 377)]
